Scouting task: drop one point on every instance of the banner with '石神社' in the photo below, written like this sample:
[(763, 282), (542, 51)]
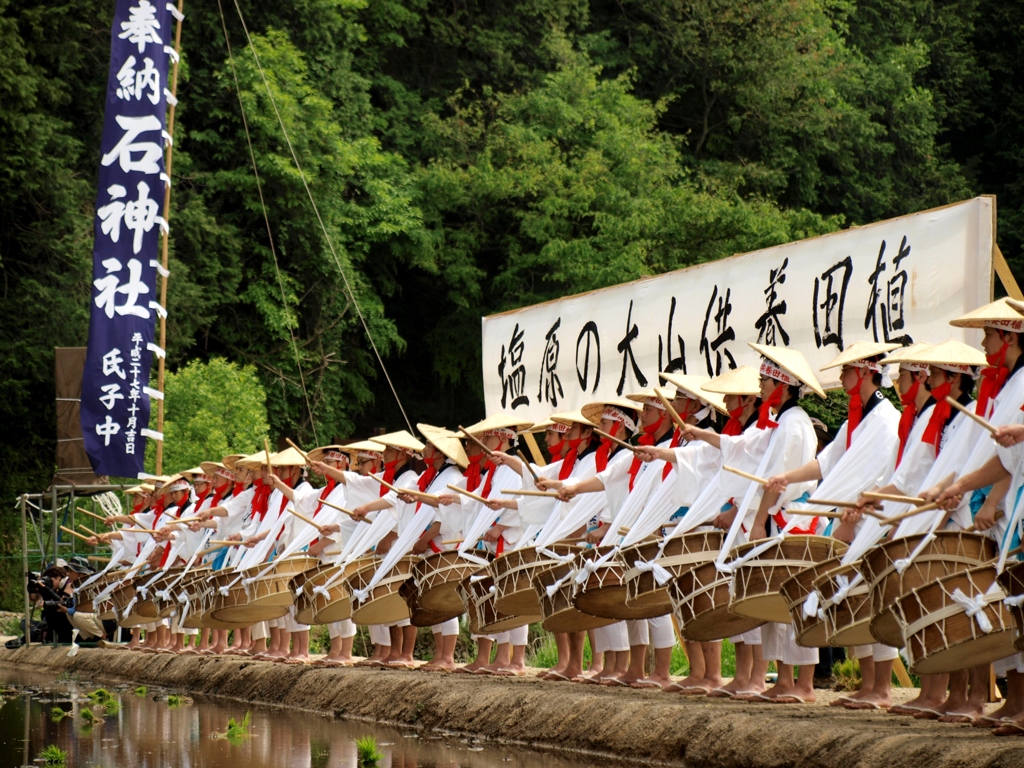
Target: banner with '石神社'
[(900, 280), (127, 228)]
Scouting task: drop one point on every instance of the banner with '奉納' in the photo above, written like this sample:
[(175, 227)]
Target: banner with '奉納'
[(900, 280), (127, 227)]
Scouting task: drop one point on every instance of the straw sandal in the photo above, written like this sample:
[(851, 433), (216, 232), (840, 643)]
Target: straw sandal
[(789, 698)]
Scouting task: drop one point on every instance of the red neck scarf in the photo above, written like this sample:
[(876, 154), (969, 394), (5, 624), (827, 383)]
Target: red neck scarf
[(389, 475), (218, 494), (605, 449), (764, 413), (939, 417), (425, 480), (855, 409), (473, 472), (677, 439), (992, 379), (158, 509), (489, 469), (331, 485), (734, 426), (260, 499), (569, 460), (139, 506), (909, 400), (647, 438), (237, 488)]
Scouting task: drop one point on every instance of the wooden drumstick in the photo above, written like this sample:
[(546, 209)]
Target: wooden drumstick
[(348, 512), (972, 416), (621, 443), (221, 543), (452, 541), (845, 505), (92, 514), (303, 518), (137, 530), (671, 411), (741, 473), (470, 494), (911, 513), (266, 450), (74, 533), (529, 466), (410, 491), (90, 532), (98, 559), (474, 439), (302, 453), (549, 494), (894, 497)]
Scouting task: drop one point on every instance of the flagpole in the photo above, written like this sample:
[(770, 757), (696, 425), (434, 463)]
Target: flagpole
[(167, 235)]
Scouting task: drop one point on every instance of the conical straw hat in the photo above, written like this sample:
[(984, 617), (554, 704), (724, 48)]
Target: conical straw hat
[(571, 417), (792, 362), (362, 446), (543, 426), (191, 474), (593, 411), (999, 314), (905, 355), (230, 460), (693, 387), (136, 489), (252, 461), (401, 440), (289, 457), (317, 454), (172, 482), (950, 352), (446, 441), (744, 380), (499, 421), (859, 350)]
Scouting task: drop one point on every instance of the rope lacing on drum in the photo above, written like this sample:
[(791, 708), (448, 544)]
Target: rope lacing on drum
[(661, 575), (184, 600), (903, 563), (733, 565), (474, 559), (590, 566), (974, 607)]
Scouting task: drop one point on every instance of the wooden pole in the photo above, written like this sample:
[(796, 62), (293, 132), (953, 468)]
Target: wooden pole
[(972, 416), (302, 453), (538, 456), (526, 463), (168, 156), (24, 572), (473, 438), (747, 475)]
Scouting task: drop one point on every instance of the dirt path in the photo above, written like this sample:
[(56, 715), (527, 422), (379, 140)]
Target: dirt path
[(637, 725)]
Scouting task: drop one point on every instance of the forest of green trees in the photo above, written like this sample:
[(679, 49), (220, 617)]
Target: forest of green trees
[(469, 157)]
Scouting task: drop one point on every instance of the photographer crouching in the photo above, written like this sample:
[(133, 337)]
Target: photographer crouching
[(53, 591)]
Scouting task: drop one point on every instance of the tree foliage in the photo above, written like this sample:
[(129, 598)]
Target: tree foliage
[(213, 409), (469, 158)]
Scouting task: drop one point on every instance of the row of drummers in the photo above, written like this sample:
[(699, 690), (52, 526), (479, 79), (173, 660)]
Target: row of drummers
[(897, 534)]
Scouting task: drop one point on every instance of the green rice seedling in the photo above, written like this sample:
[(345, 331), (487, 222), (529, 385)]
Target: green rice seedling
[(53, 755), (367, 751)]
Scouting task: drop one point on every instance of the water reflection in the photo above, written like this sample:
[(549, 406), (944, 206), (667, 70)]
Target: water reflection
[(148, 733)]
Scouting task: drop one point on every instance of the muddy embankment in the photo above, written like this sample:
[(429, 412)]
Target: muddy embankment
[(620, 723)]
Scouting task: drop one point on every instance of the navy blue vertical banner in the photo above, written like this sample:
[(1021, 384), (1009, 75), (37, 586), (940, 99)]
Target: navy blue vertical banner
[(125, 303)]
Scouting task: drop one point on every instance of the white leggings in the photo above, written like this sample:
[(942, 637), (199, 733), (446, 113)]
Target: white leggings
[(779, 644), (260, 631), (446, 628), (379, 634), (643, 631), (614, 637), (517, 636), (877, 651), (753, 637), (1013, 663), (345, 628)]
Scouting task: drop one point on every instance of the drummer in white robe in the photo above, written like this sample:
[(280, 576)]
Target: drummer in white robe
[(270, 537), (861, 457), (698, 465), (342, 633), (366, 463), (791, 443), (492, 528), (576, 452), (445, 459)]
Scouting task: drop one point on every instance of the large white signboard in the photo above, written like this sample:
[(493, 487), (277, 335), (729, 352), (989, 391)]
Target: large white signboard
[(900, 280)]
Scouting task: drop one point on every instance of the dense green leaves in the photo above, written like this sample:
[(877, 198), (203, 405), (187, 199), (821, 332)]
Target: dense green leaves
[(468, 158)]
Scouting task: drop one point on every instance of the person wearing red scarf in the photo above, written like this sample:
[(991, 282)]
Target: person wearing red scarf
[(913, 396)]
